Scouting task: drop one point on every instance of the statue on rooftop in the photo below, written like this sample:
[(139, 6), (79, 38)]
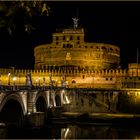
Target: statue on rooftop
[(75, 22)]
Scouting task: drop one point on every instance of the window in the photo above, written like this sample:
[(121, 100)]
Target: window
[(64, 38), (57, 38), (67, 45), (83, 76), (103, 48), (78, 42), (56, 43), (71, 46), (82, 102), (71, 38), (78, 37)]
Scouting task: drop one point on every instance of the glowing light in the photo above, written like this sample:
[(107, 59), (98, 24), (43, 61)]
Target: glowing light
[(14, 78), (67, 100), (29, 113), (66, 133), (63, 91), (138, 93)]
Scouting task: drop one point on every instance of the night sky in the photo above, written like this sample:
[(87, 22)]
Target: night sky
[(117, 23)]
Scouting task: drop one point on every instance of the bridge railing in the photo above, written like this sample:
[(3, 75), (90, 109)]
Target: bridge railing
[(16, 87), (24, 87)]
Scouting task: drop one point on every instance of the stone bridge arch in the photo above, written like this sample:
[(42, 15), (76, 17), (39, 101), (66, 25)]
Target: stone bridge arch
[(12, 110), (61, 97), (58, 97), (41, 101), (15, 97)]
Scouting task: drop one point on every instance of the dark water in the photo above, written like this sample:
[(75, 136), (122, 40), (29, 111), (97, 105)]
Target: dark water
[(72, 131)]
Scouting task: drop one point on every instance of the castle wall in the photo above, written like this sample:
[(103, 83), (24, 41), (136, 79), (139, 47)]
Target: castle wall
[(74, 78)]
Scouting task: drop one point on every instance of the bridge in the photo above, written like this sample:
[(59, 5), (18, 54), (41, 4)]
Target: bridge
[(18, 103)]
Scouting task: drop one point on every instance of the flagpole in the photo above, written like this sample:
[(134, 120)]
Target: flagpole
[(137, 60)]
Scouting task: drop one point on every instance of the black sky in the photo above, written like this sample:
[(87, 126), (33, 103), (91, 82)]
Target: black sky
[(111, 22)]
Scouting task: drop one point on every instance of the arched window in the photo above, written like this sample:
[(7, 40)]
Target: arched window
[(57, 38), (64, 38), (71, 38), (82, 102), (78, 37)]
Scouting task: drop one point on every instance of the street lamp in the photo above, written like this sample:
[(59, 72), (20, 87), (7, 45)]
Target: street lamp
[(39, 81), (56, 83), (9, 74), (36, 82), (44, 82), (14, 80)]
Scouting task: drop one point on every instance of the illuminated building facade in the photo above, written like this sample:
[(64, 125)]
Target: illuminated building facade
[(69, 51), (79, 63)]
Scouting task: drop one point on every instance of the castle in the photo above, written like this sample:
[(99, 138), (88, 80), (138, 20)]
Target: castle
[(81, 64)]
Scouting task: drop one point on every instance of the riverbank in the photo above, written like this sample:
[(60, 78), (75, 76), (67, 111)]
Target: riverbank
[(113, 118)]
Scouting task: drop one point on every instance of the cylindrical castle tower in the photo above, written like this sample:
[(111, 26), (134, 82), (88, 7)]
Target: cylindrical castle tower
[(69, 51)]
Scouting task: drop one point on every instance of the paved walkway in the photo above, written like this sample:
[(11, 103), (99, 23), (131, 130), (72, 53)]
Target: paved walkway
[(102, 115)]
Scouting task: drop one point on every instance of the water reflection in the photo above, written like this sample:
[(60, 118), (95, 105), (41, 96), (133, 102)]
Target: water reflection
[(72, 131), (88, 132), (100, 132)]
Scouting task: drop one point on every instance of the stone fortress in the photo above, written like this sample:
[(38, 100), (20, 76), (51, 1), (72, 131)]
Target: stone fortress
[(81, 64)]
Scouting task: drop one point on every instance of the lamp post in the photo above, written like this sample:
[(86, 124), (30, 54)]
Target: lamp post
[(14, 80), (14, 83), (36, 82), (44, 83), (56, 83), (39, 81), (9, 74)]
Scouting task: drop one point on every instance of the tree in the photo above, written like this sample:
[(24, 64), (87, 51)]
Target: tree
[(19, 15)]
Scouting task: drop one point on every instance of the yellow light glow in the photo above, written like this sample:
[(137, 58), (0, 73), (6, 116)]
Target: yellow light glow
[(138, 93), (67, 100), (66, 133), (14, 78), (63, 91)]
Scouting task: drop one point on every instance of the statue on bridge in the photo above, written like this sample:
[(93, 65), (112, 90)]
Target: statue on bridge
[(51, 82), (63, 82), (28, 80)]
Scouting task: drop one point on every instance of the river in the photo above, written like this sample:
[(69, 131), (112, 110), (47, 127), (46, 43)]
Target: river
[(73, 131)]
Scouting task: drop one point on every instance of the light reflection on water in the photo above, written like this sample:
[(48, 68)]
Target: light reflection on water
[(72, 131)]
